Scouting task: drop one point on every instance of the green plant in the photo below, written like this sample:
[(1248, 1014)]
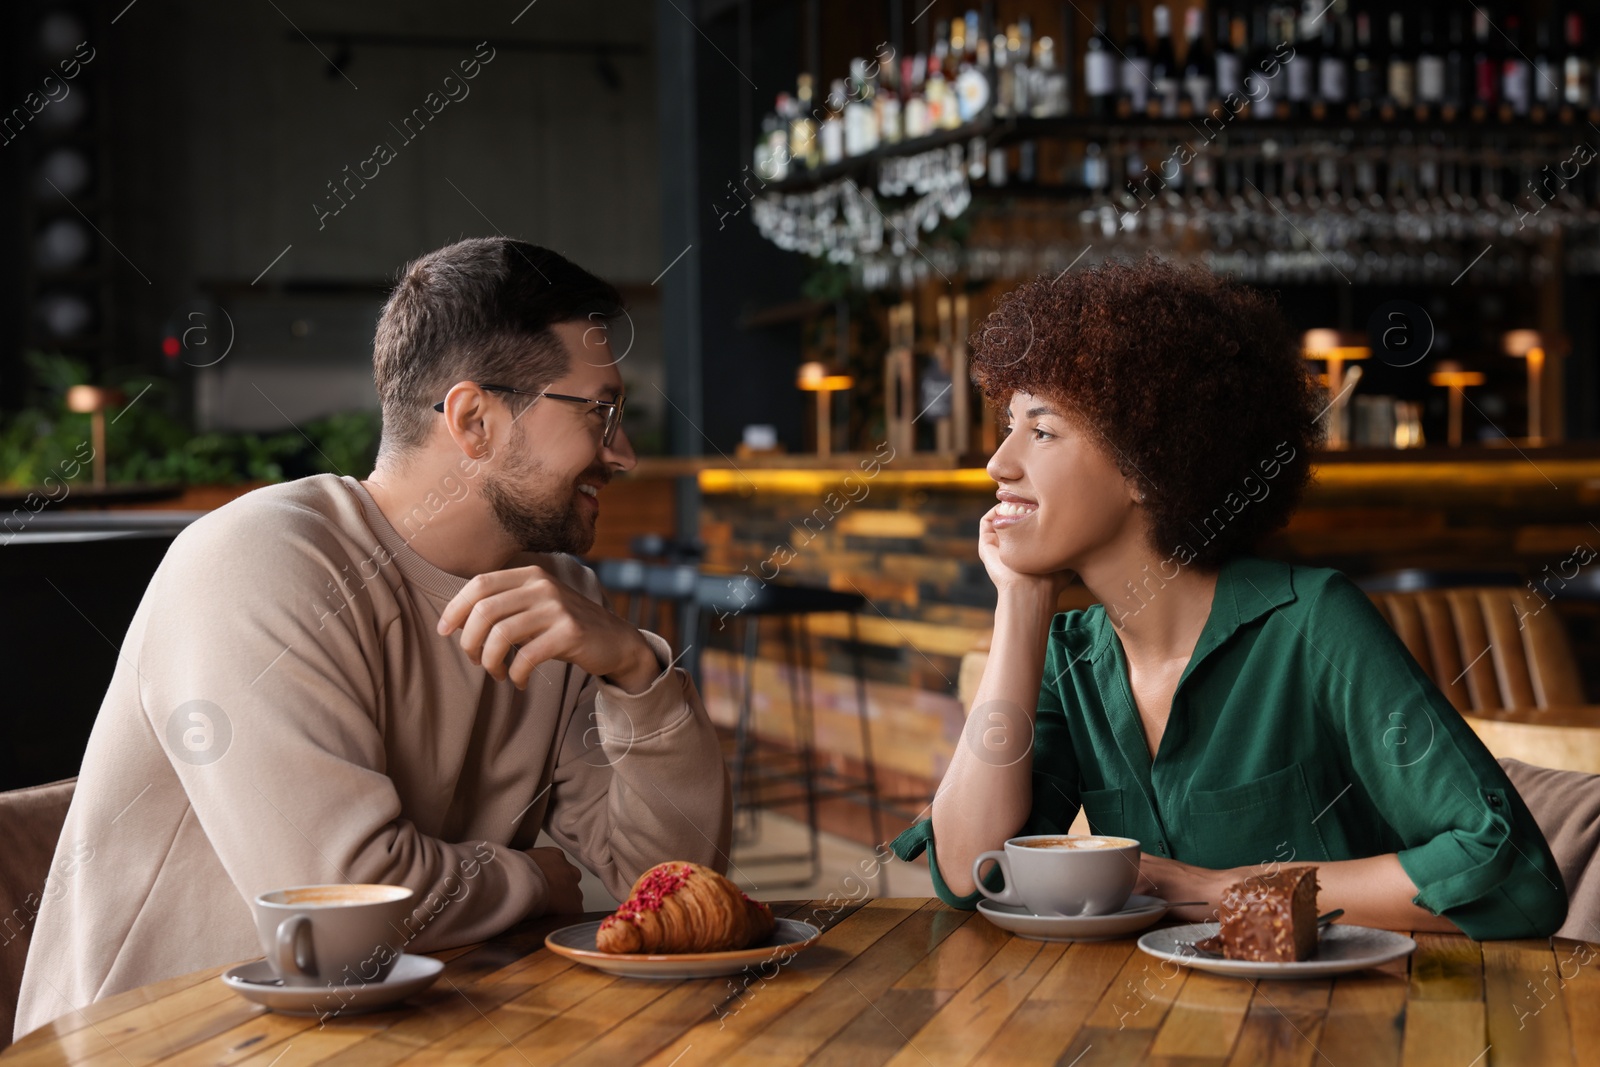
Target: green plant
[(147, 443)]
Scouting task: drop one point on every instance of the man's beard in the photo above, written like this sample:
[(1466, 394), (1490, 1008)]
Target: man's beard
[(553, 524)]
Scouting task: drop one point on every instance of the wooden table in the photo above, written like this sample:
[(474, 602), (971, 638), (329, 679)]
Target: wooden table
[(904, 981)]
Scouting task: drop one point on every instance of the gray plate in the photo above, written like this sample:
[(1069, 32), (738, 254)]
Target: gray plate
[(256, 981), (1138, 913), (577, 943), (1343, 949)]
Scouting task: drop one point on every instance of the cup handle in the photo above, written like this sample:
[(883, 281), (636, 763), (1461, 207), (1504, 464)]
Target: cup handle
[(1009, 894), (295, 954)]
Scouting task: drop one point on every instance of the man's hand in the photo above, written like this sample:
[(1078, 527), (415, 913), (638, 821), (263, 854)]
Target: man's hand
[(532, 609), (1171, 880), (562, 895)]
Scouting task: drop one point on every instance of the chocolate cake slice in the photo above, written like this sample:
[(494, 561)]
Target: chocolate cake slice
[(1271, 918)]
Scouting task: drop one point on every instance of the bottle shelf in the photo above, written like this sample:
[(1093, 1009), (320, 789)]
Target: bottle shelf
[(1001, 132)]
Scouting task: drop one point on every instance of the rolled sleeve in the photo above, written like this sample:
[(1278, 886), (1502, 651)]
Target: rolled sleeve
[(1468, 842), (911, 844)]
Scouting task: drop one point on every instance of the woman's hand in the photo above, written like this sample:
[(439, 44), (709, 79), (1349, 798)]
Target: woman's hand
[(1007, 580), (1171, 880)]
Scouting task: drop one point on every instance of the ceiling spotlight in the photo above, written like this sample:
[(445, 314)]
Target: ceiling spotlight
[(65, 170), (65, 314), (59, 33), (61, 244)]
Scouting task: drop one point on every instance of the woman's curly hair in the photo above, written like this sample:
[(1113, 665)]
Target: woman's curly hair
[(1193, 384)]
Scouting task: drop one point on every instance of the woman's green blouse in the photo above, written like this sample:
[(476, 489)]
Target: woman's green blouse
[(1301, 731)]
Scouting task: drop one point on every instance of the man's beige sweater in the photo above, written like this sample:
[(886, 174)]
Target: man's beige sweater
[(284, 712)]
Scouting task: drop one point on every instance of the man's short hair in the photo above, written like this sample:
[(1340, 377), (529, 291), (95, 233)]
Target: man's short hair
[(478, 310)]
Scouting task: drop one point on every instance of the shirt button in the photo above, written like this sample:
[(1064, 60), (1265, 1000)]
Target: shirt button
[(1162, 848), (1494, 801)]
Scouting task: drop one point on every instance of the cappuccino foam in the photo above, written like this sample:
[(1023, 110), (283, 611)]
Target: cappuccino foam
[(1078, 842)]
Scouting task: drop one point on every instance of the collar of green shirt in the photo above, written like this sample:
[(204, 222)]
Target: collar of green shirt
[(1247, 588)]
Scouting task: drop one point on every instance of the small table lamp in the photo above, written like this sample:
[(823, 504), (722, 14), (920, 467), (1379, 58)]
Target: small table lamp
[(1449, 374), (93, 401), (1335, 347), (814, 378), (1532, 346)]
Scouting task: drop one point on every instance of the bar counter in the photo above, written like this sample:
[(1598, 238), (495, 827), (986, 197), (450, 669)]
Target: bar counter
[(903, 531)]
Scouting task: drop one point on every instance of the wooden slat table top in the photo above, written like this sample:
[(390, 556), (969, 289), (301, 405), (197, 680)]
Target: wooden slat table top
[(896, 981)]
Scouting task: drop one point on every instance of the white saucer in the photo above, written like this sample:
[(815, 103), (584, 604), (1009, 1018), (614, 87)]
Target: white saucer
[(1342, 949), (256, 981), (1138, 913)]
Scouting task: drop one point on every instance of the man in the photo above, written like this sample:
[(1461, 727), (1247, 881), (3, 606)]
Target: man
[(397, 680)]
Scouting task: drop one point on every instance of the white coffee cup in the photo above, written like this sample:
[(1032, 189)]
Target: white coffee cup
[(317, 935), (1064, 874)]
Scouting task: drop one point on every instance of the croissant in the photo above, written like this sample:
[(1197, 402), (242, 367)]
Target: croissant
[(684, 907)]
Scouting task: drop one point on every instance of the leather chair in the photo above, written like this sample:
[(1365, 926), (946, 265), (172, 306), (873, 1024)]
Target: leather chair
[(1566, 805), (30, 824), (1487, 647)]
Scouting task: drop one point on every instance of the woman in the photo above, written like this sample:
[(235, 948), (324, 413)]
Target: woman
[(1230, 713)]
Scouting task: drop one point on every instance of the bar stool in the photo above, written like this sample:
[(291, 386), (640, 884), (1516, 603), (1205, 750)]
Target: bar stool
[(624, 577), (754, 772), (662, 571)]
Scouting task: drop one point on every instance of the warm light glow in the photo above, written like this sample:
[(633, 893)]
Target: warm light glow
[(814, 378), (1519, 343), (1335, 344), (1456, 379), (86, 399)]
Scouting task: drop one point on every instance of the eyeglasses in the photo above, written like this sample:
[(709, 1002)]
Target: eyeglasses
[(611, 408)]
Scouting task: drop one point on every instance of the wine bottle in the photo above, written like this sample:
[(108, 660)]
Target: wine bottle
[(1135, 68), (1227, 70), (1004, 75), (1022, 52), (859, 137), (1333, 72), (772, 149), (1546, 74), (1197, 63), (1402, 75), (1100, 69), (1577, 77), (914, 116), (1485, 67), (1300, 71), (889, 99), (1430, 70), (1049, 93), (1458, 75), (1163, 67), (803, 149), (1258, 88), (832, 133), (972, 86), (1366, 76), (1516, 74)]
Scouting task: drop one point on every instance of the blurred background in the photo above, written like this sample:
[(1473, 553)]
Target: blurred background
[(809, 206)]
